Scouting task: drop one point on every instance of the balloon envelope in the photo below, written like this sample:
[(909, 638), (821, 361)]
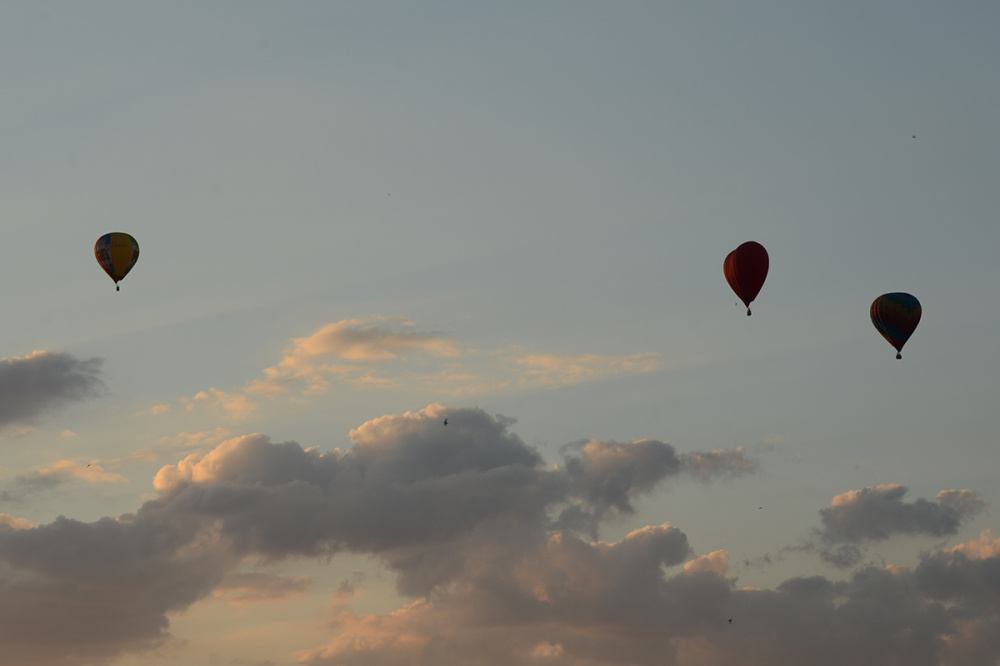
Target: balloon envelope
[(896, 316), (746, 269), (116, 253)]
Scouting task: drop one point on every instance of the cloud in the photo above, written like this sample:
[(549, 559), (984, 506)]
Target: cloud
[(391, 352), (555, 370), (601, 607), (236, 407), (609, 475), (246, 588), (878, 513), (187, 441), (45, 381), (21, 432), (423, 497), (9, 522), (469, 520), (348, 349), (155, 410), (85, 592), (56, 475), (371, 340), (70, 469)]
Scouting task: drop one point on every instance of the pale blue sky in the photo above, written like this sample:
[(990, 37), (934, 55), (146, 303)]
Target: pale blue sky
[(543, 189)]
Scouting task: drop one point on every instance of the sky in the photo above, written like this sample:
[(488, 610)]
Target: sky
[(358, 220)]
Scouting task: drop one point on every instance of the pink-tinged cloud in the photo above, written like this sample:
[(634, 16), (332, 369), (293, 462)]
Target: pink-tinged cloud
[(371, 340), (9, 522), (347, 350), (155, 410), (195, 440), (556, 370), (398, 638), (984, 547), (716, 562), (235, 406), (390, 352), (90, 472)]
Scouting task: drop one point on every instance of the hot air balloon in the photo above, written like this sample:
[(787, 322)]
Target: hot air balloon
[(896, 316), (116, 253), (746, 269)]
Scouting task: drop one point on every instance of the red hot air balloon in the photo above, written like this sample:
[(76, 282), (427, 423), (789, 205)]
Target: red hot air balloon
[(896, 316), (746, 269)]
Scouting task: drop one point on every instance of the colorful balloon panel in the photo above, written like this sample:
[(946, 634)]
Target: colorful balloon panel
[(746, 269), (896, 316), (116, 253)]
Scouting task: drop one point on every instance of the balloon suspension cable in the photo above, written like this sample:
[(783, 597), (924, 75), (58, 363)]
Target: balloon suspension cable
[(898, 356)]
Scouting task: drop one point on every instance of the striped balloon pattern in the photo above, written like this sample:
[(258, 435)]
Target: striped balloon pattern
[(116, 253), (896, 316)]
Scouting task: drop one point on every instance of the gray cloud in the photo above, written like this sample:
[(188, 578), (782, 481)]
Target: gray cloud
[(878, 513), (25, 485), (573, 602), (472, 523), (43, 381), (85, 592), (420, 495), (609, 475), (467, 517)]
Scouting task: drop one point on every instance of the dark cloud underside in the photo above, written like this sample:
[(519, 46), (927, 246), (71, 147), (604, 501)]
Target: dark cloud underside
[(44, 381)]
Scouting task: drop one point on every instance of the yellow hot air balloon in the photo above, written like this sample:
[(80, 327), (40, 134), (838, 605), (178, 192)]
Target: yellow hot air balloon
[(116, 253)]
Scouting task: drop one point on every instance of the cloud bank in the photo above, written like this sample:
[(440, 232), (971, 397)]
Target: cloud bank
[(497, 551)]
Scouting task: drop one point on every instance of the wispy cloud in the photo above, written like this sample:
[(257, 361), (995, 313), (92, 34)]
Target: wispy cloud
[(246, 588), (385, 353), (556, 370), (89, 473), (235, 406), (155, 410)]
